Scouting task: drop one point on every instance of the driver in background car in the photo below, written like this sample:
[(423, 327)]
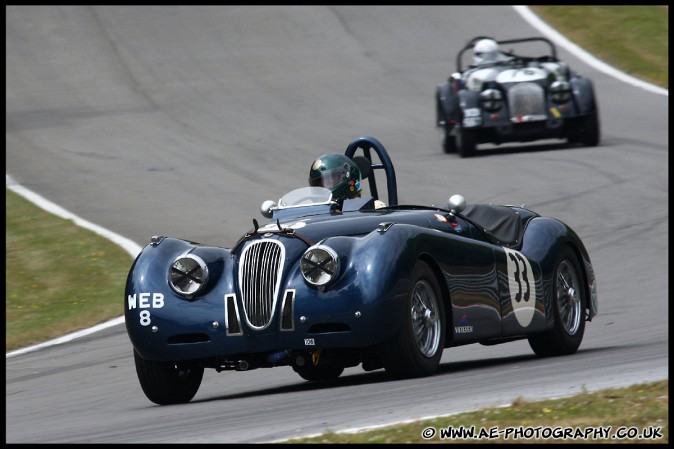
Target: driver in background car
[(486, 54), (486, 51)]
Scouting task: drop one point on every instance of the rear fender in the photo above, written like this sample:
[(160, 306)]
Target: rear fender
[(543, 240)]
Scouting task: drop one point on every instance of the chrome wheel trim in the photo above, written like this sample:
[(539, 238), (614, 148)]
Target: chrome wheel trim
[(568, 297), (425, 319)]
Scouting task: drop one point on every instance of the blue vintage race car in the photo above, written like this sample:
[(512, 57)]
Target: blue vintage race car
[(514, 97), (326, 285)]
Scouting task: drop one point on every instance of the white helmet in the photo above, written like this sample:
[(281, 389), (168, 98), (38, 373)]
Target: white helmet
[(485, 50)]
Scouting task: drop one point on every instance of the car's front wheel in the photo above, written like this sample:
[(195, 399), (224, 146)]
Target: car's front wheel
[(448, 141), (416, 349), (569, 302), (168, 382), (589, 131), (466, 142)]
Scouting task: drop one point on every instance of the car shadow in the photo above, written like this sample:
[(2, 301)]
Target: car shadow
[(372, 377), (528, 148)]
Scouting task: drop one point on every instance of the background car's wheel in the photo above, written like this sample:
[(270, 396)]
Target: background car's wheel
[(466, 142), (320, 372), (448, 142), (569, 302), (589, 130), (167, 382), (416, 349)]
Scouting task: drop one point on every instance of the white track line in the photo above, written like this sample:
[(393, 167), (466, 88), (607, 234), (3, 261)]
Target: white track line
[(586, 57), (129, 246)]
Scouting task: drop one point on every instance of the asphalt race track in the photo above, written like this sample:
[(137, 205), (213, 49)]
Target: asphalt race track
[(181, 120)]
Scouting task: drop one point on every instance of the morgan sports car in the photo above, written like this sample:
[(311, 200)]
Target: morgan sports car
[(512, 97), (327, 284)]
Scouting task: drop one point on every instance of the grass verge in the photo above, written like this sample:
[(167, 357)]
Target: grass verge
[(59, 278), (637, 414), (634, 39)]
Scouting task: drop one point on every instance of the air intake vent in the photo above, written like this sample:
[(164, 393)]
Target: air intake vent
[(260, 269)]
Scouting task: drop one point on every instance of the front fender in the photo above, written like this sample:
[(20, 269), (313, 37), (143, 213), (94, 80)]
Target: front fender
[(447, 103), (151, 307), (583, 91)]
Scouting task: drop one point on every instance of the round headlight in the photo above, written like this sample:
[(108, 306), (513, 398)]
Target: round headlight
[(492, 99), (560, 91), (188, 274), (319, 265)]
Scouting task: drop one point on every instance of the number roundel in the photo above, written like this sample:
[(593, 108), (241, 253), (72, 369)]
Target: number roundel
[(522, 286)]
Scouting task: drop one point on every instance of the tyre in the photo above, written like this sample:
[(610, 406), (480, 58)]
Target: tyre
[(589, 132), (416, 349), (447, 105), (569, 302), (466, 142), (448, 142), (321, 372), (167, 382)]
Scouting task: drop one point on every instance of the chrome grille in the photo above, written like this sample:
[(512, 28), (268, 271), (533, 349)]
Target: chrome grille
[(260, 269), (527, 102)]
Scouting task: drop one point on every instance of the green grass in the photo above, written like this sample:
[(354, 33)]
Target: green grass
[(644, 408), (61, 278), (58, 277), (634, 39)]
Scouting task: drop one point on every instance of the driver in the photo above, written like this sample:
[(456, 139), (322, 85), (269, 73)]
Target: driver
[(486, 51), (338, 173)]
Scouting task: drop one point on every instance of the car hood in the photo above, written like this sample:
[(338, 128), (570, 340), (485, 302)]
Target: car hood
[(521, 75), (319, 227)]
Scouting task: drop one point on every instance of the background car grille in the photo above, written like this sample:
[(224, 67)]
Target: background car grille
[(526, 99), (260, 269)]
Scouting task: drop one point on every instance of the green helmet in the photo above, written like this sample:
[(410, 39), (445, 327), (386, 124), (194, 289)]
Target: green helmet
[(337, 173)]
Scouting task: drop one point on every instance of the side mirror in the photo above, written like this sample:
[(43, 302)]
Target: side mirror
[(267, 208), (457, 203)]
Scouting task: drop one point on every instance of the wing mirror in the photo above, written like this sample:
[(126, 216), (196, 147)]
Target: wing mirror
[(457, 203), (267, 209)]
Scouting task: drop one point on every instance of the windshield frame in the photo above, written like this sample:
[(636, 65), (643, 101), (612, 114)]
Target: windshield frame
[(305, 197)]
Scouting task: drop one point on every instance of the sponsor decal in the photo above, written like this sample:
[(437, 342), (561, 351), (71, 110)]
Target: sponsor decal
[(464, 326)]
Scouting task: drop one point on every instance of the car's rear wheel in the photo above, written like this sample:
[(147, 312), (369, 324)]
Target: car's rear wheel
[(416, 349), (319, 372), (466, 142), (569, 302), (168, 382)]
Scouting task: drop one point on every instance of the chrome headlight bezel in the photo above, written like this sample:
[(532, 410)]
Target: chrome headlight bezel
[(320, 265), (188, 275), (560, 91), (491, 99)]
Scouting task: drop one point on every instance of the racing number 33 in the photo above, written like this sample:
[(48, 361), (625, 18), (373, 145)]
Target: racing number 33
[(521, 286), (521, 276)]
